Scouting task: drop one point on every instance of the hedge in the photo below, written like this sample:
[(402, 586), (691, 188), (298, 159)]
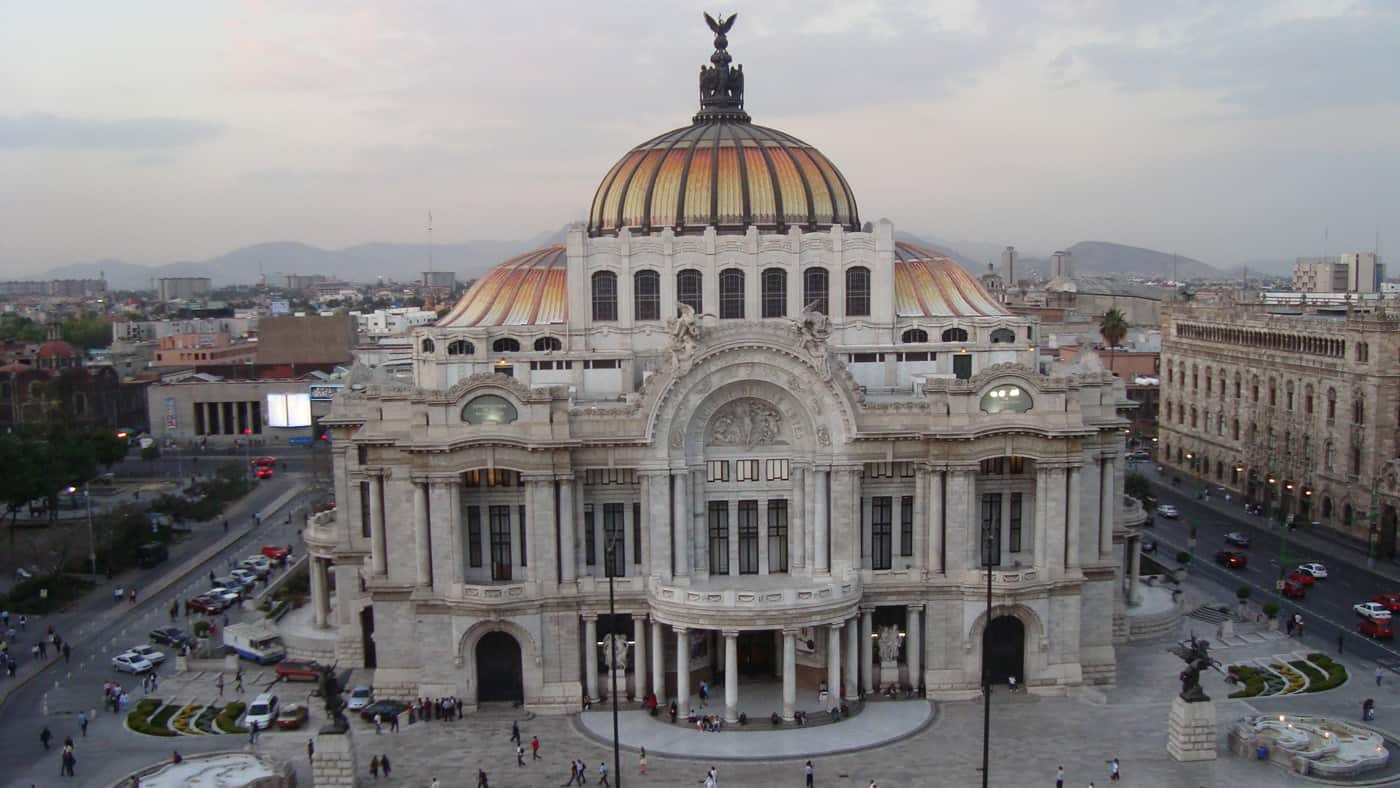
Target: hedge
[(227, 721), (137, 719), (1336, 672), (63, 589), (1253, 679)]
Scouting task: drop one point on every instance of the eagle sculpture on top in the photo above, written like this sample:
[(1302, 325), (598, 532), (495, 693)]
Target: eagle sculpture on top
[(721, 27)]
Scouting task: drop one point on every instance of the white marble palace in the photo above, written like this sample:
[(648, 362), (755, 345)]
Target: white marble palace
[(791, 443)]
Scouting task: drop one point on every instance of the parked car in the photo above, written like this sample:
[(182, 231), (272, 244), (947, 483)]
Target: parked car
[(208, 604), (1371, 610), (297, 670), (233, 583), (274, 552), (1390, 601), (152, 654), (1231, 559), (259, 565), (1168, 511), (263, 472), (126, 662), (291, 717), (1237, 539), (1315, 569), (384, 708), (247, 577), (1294, 589), (1305, 579), (360, 697), (170, 636), (262, 711), (1376, 628)]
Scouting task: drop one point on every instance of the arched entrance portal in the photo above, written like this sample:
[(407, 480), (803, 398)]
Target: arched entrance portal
[(1388, 533), (498, 671), (1003, 650)]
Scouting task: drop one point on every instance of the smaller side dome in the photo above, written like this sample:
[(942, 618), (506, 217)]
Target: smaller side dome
[(929, 284), (522, 291)]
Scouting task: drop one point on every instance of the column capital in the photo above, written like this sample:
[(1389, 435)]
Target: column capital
[(836, 625), (915, 607), (565, 477), (791, 632), (730, 633), (587, 616), (867, 610), (419, 478), (380, 473), (441, 478), (653, 473), (680, 630)]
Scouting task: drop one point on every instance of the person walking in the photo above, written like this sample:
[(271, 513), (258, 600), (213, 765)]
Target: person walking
[(1113, 770), (69, 761), (1380, 674), (481, 781), (378, 721), (1060, 776), (219, 682), (238, 682), (519, 755), (394, 723), (310, 750), (374, 767), (582, 772), (642, 762), (45, 736), (808, 774), (534, 748), (515, 732), (714, 776), (67, 653), (82, 722), (603, 774), (384, 764), (573, 774)]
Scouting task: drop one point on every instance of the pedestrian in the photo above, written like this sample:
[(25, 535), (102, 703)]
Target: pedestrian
[(515, 732), (714, 776), (481, 781), (1289, 627), (69, 761), (573, 774), (377, 722), (44, 737), (67, 742), (219, 682), (1060, 776), (67, 653), (132, 596), (519, 755), (225, 526), (310, 750), (642, 762), (253, 733), (174, 609), (384, 764), (394, 723), (82, 722), (1341, 641), (238, 682), (1113, 770), (534, 748), (603, 774), (212, 577), (1379, 675), (809, 774), (374, 766), (22, 621), (434, 784), (582, 772)]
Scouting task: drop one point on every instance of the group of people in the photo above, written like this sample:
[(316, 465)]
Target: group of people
[(1294, 625), (709, 722), (380, 762), (50, 646), (435, 709), (69, 759), (114, 697)]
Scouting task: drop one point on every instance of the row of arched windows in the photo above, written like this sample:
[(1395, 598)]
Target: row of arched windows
[(1177, 375), (1272, 340), (915, 336), (690, 290), (461, 347)]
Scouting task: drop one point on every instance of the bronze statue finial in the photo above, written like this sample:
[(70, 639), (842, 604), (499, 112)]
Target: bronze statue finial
[(721, 86)]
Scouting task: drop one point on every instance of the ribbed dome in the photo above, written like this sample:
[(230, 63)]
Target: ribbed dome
[(929, 284), (727, 173), (522, 291)]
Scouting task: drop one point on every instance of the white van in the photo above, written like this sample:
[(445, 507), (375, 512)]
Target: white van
[(262, 711)]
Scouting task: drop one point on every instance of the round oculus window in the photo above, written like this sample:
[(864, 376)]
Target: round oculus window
[(1006, 399), (489, 409)]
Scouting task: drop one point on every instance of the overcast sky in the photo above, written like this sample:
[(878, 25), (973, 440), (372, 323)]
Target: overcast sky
[(162, 131)]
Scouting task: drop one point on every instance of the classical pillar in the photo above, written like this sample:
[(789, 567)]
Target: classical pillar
[(656, 499), (590, 655), (658, 660), (822, 527), (456, 537), (789, 673), (918, 518), (934, 508), (1072, 524), (682, 672), (867, 646), (422, 534), (1055, 521), (379, 563), (963, 532), (731, 676), (913, 641), (853, 657), (1107, 506), (833, 665), (1134, 569), (568, 560), (1041, 558), (797, 520), (680, 522), (639, 657), (320, 592)]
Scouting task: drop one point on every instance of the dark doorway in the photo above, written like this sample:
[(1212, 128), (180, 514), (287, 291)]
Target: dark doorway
[(1003, 650), (1387, 534), (498, 675), (367, 635), (757, 654)]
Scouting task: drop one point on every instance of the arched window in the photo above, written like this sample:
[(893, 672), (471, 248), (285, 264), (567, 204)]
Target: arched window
[(1326, 508), (427, 346), (858, 291), (505, 345), (604, 296), (489, 409), (1329, 458), (1273, 392), (1002, 336), (1308, 399), (1346, 514), (731, 294), (690, 289), (546, 344), (1007, 398), (1358, 411), (1195, 377), (816, 286), (1331, 404), (774, 282), (646, 295), (914, 336), (955, 335), (460, 347)]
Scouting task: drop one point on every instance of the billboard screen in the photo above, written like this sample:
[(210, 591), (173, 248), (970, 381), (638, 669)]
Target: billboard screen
[(289, 410)]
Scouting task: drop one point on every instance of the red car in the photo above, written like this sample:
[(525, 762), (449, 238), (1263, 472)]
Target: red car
[(275, 553), (207, 605), (1302, 577), (1390, 601), (263, 472), (1379, 629), (297, 670), (1231, 559), (1294, 589)]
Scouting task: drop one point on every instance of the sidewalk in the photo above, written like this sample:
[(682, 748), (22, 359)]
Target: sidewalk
[(1325, 543), (96, 610)]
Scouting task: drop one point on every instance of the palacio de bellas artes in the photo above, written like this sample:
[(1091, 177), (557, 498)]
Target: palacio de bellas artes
[(789, 442)]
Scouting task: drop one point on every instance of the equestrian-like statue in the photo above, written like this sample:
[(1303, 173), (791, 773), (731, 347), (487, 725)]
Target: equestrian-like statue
[(1196, 654), (330, 688)]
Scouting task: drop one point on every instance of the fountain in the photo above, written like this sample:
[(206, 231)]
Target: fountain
[(1308, 745)]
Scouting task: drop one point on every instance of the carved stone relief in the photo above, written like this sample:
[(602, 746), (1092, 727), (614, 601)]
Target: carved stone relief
[(747, 422)]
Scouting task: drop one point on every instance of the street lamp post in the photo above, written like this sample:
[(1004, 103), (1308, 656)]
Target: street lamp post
[(611, 555), (988, 542), (92, 543)]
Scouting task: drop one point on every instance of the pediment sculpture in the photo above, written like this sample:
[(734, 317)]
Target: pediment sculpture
[(889, 643), (746, 423)]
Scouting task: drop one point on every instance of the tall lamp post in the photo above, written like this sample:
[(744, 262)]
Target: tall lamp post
[(92, 544), (988, 543), (610, 551)]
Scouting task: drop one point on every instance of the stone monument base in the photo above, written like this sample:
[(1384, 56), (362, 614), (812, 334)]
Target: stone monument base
[(334, 763), (889, 673), (1191, 730)]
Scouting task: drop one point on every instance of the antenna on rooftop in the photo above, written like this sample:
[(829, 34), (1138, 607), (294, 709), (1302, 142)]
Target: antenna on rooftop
[(430, 241)]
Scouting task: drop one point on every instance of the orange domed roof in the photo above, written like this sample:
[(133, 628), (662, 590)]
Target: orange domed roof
[(522, 291), (56, 348), (927, 283)]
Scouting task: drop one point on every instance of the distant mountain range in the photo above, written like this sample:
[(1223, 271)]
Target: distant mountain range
[(404, 262)]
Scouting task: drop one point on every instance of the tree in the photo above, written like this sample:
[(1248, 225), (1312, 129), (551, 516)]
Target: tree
[(27, 462), (20, 329), (150, 453), (1135, 486), (87, 332), (1113, 327)]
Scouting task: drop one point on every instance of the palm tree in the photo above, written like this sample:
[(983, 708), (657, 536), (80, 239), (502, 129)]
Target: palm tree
[(1113, 327)]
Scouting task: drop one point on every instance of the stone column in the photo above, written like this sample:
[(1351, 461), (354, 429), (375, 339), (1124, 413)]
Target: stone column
[(1055, 520), (797, 520), (731, 676), (1041, 559), (568, 559), (918, 516), (867, 649), (789, 673), (1134, 569), (833, 665), (1072, 524), (320, 592), (447, 553), (422, 534), (913, 641), (961, 528), (658, 660), (680, 521), (682, 672), (1107, 506), (853, 657), (379, 563), (934, 508), (538, 528), (657, 503), (639, 657), (822, 527), (590, 655)]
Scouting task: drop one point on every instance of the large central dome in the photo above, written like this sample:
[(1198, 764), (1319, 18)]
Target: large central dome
[(722, 171)]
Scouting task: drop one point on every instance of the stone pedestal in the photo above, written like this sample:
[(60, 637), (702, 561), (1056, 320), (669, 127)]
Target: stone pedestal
[(333, 766), (182, 663), (621, 676), (1191, 731), (889, 673), (1226, 629)]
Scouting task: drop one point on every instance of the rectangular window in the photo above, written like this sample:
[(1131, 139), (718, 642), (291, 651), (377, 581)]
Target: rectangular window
[(746, 471), (257, 418), (524, 560), (962, 366), (991, 527), (1014, 537), (590, 548), (778, 470), (921, 355), (865, 358), (719, 537), (880, 523), (364, 509), (603, 363), (500, 542), (614, 548), (198, 418), (906, 525), (637, 533), (717, 471), (777, 535), (748, 537), (474, 535)]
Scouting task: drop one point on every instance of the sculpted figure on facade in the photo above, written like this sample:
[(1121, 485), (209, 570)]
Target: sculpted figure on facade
[(617, 650), (747, 423), (889, 643), (814, 329), (684, 331)]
